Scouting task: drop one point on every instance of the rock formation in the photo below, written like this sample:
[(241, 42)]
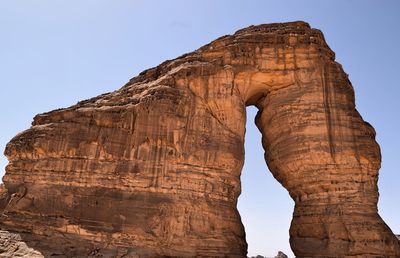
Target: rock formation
[(153, 169)]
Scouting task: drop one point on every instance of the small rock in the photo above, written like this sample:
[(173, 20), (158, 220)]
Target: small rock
[(281, 255)]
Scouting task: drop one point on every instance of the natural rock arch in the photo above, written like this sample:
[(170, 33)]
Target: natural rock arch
[(154, 168)]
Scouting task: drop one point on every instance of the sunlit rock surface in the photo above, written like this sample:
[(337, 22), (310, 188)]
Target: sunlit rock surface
[(12, 245), (153, 169)]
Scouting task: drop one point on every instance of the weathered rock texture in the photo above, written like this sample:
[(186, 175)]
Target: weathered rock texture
[(12, 245), (153, 169)]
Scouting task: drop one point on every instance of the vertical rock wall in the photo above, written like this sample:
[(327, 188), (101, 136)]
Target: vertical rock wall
[(153, 169)]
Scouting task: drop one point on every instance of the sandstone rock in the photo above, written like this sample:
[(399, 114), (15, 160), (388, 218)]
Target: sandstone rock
[(153, 169)]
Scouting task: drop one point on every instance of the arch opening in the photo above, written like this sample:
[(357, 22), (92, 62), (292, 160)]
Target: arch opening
[(264, 205)]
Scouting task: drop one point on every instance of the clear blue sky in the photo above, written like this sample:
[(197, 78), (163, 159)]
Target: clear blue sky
[(54, 53)]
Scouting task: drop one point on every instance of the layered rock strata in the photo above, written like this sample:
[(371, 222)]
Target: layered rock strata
[(153, 169)]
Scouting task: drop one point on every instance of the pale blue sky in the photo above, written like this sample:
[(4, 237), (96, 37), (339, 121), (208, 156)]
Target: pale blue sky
[(54, 53)]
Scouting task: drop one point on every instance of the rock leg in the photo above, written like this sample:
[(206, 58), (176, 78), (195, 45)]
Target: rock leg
[(320, 149)]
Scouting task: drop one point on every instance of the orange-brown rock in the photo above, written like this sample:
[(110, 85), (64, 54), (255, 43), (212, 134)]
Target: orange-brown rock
[(153, 169)]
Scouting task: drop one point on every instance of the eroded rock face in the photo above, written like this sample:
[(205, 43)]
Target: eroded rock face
[(153, 169)]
